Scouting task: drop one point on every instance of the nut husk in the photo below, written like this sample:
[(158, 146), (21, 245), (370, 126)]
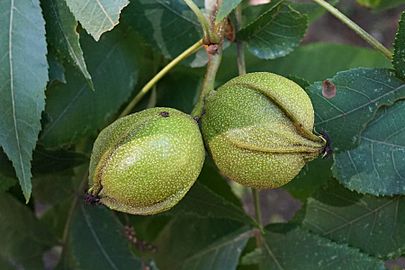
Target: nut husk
[(146, 162), (258, 129)]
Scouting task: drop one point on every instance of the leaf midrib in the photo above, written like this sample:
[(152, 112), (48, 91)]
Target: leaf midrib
[(10, 57)]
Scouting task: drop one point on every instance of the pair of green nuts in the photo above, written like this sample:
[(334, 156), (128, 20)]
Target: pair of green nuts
[(257, 128)]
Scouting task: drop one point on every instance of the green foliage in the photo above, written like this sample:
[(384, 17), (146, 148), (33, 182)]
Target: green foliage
[(23, 238), (376, 165), (380, 4), (372, 224), (359, 94), (97, 17), (103, 245), (69, 67), (226, 8), (275, 33), (286, 248), (23, 77), (169, 26), (62, 36), (70, 117)]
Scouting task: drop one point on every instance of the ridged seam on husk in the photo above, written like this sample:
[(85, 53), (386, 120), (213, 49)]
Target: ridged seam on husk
[(298, 126), (106, 157), (147, 210)]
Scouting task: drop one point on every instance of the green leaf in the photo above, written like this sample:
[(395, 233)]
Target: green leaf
[(212, 179), (46, 161), (226, 8), (97, 16), (6, 182), (359, 93), (61, 34), (72, 110), (305, 62), (201, 202), (23, 77), (7, 174), (380, 4), (169, 26), (275, 33), (319, 61), (175, 85), (374, 225), (56, 70), (96, 241), (24, 239), (376, 166), (310, 179), (312, 10), (222, 254), (398, 60), (186, 240), (298, 249)]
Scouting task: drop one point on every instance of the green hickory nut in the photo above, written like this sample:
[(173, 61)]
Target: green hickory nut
[(146, 162), (258, 130)]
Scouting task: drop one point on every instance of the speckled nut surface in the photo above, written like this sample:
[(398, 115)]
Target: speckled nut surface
[(258, 129), (146, 162)]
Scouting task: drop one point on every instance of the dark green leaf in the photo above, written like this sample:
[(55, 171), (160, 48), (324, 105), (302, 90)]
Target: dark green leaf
[(312, 10), (359, 93), (53, 188), (312, 62), (183, 84), (380, 4), (319, 61), (201, 202), (398, 60), (212, 179), (298, 249), (275, 33), (46, 161), (97, 16), (222, 254), (190, 238), (6, 182), (96, 241), (374, 225), (56, 70), (226, 8), (315, 174), (376, 166), (72, 109), (169, 26), (23, 77), (61, 34), (23, 238), (7, 174)]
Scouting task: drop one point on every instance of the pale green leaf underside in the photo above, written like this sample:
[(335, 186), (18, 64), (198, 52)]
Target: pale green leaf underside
[(23, 77), (374, 225), (97, 16), (359, 93), (226, 8), (62, 35), (376, 166)]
